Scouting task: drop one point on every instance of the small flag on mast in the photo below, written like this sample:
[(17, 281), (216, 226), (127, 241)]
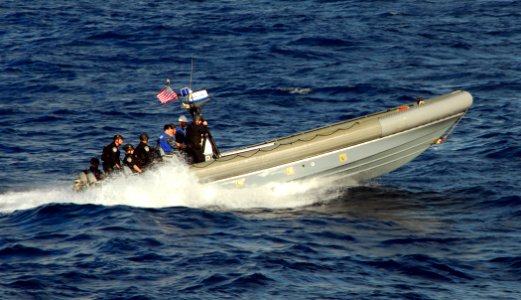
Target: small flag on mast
[(166, 95)]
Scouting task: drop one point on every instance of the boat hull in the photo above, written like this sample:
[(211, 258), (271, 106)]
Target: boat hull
[(355, 150)]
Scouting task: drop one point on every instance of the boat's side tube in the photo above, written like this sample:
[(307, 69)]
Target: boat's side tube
[(297, 149), (333, 137), (434, 109)]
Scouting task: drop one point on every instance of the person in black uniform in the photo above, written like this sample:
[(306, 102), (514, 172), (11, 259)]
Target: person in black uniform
[(110, 155), (130, 160), (144, 153), (195, 133)]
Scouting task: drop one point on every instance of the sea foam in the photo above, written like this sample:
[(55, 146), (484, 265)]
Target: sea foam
[(173, 184)]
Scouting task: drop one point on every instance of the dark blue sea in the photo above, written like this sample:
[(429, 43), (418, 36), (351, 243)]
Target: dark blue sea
[(75, 73)]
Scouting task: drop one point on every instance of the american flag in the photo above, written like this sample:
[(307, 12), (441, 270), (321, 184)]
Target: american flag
[(166, 95)]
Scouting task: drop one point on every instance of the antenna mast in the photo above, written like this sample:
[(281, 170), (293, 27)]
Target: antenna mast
[(191, 72)]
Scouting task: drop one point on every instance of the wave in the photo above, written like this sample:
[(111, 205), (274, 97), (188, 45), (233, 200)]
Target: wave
[(422, 266), (232, 282), (21, 251), (421, 241)]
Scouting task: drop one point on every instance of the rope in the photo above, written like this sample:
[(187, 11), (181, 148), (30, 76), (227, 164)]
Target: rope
[(451, 129)]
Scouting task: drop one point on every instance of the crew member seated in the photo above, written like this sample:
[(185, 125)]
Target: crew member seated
[(145, 154), (166, 142), (130, 161), (110, 155)]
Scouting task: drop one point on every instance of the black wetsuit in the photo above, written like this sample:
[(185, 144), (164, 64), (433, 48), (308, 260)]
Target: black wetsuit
[(130, 161), (110, 157), (194, 135), (145, 155)]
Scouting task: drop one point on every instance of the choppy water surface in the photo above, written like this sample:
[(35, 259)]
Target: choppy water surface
[(72, 75)]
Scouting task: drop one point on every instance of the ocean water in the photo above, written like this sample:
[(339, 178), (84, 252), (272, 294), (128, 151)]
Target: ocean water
[(74, 73)]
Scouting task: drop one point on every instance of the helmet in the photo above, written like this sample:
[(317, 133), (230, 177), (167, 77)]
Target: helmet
[(128, 147), (182, 119)]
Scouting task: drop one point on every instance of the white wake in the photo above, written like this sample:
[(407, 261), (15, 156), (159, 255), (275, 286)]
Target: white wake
[(170, 185)]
